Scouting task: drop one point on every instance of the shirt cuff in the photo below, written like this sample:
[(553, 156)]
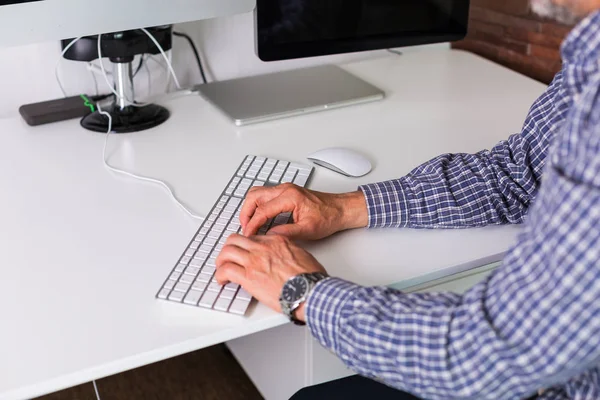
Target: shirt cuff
[(387, 204), (324, 309)]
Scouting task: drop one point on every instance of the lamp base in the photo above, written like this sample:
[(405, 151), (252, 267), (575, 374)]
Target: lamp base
[(127, 120)]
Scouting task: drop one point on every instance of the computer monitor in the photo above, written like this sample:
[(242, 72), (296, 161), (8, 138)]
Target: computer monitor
[(28, 21), (288, 29)]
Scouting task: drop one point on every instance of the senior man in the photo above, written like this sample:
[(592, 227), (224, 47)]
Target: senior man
[(531, 329)]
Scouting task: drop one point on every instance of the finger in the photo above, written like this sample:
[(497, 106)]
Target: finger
[(242, 242), (233, 254), (292, 231), (267, 211), (255, 197), (230, 272)]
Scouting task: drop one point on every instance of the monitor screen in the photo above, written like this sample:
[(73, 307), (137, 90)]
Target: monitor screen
[(303, 28)]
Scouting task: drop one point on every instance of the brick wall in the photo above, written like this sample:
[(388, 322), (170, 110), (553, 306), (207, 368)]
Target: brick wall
[(505, 31)]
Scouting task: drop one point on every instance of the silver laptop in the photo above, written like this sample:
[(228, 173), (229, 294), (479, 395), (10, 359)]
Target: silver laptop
[(289, 93)]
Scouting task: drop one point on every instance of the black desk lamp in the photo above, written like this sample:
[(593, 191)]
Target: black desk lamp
[(121, 48)]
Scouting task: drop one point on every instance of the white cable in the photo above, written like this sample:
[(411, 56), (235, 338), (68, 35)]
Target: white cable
[(142, 178), (149, 76), (168, 88), (164, 56), (60, 85), (92, 73), (96, 390)]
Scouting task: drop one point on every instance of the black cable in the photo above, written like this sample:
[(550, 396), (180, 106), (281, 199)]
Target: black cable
[(195, 49), (139, 67)]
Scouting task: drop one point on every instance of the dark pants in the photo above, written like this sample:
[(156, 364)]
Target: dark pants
[(353, 388)]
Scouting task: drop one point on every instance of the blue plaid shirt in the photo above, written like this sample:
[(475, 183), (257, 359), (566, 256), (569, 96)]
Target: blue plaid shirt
[(535, 323)]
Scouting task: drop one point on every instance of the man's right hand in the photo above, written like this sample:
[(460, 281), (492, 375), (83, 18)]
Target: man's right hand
[(316, 215)]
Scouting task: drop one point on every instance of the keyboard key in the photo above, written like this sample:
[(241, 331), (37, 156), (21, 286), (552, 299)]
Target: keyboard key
[(199, 286), (185, 260), (263, 176), (205, 249), (180, 267), (176, 296), (169, 284), (194, 245), (214, 234), (222, 304), (240, 192), (232, 287), (193, 271), (282, 165), (219, 228), (227, 294), (230, 208), (210, 241), (214, 286), (204, 278), (163, 294), (258, 183), (208, 299), (197, 262), (192, 297), (301, 180), (222, 221), (227, 214), (175, 276), (182, 287), (209, 269), (189, 279), (190, 253), (234, 227), (242, 294), (234, 201), (239, 306)]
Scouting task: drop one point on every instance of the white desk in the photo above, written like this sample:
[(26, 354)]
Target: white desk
[(82, 251)]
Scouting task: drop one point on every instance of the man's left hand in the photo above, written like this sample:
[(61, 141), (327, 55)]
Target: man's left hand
[(262, 265)]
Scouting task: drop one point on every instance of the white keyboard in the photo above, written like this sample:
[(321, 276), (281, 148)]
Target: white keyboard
[(192, 280)]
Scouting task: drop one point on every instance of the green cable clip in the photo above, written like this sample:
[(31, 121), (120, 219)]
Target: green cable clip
[(88, 103)]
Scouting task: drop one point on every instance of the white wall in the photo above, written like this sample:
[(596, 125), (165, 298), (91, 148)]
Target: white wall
[(227, 44)]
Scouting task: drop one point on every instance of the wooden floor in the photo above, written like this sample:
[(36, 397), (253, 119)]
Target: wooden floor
[(206, 374)]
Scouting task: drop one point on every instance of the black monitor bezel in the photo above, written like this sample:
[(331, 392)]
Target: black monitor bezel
[(278, 52)]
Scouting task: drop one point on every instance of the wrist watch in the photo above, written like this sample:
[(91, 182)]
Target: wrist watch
[(295, 292)]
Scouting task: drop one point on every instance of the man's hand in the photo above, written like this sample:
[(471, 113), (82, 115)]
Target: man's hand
[(316, 215), (262, 265)]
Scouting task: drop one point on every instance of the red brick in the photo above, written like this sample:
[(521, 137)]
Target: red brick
[(522, 35), (512, 7), (501, 41), (544, 52), (556, 30), (479, 26), (482, 14)]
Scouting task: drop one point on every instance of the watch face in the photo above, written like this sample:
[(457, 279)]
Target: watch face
[(295, 289)]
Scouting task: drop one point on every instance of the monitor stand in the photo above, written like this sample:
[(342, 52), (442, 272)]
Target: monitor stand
[(121, 48), (284, 94), (126, 116)]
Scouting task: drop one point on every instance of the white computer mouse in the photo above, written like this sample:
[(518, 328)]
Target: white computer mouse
[(344, 161)]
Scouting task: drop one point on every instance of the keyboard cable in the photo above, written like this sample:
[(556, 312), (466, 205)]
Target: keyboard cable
[(140, 177)]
